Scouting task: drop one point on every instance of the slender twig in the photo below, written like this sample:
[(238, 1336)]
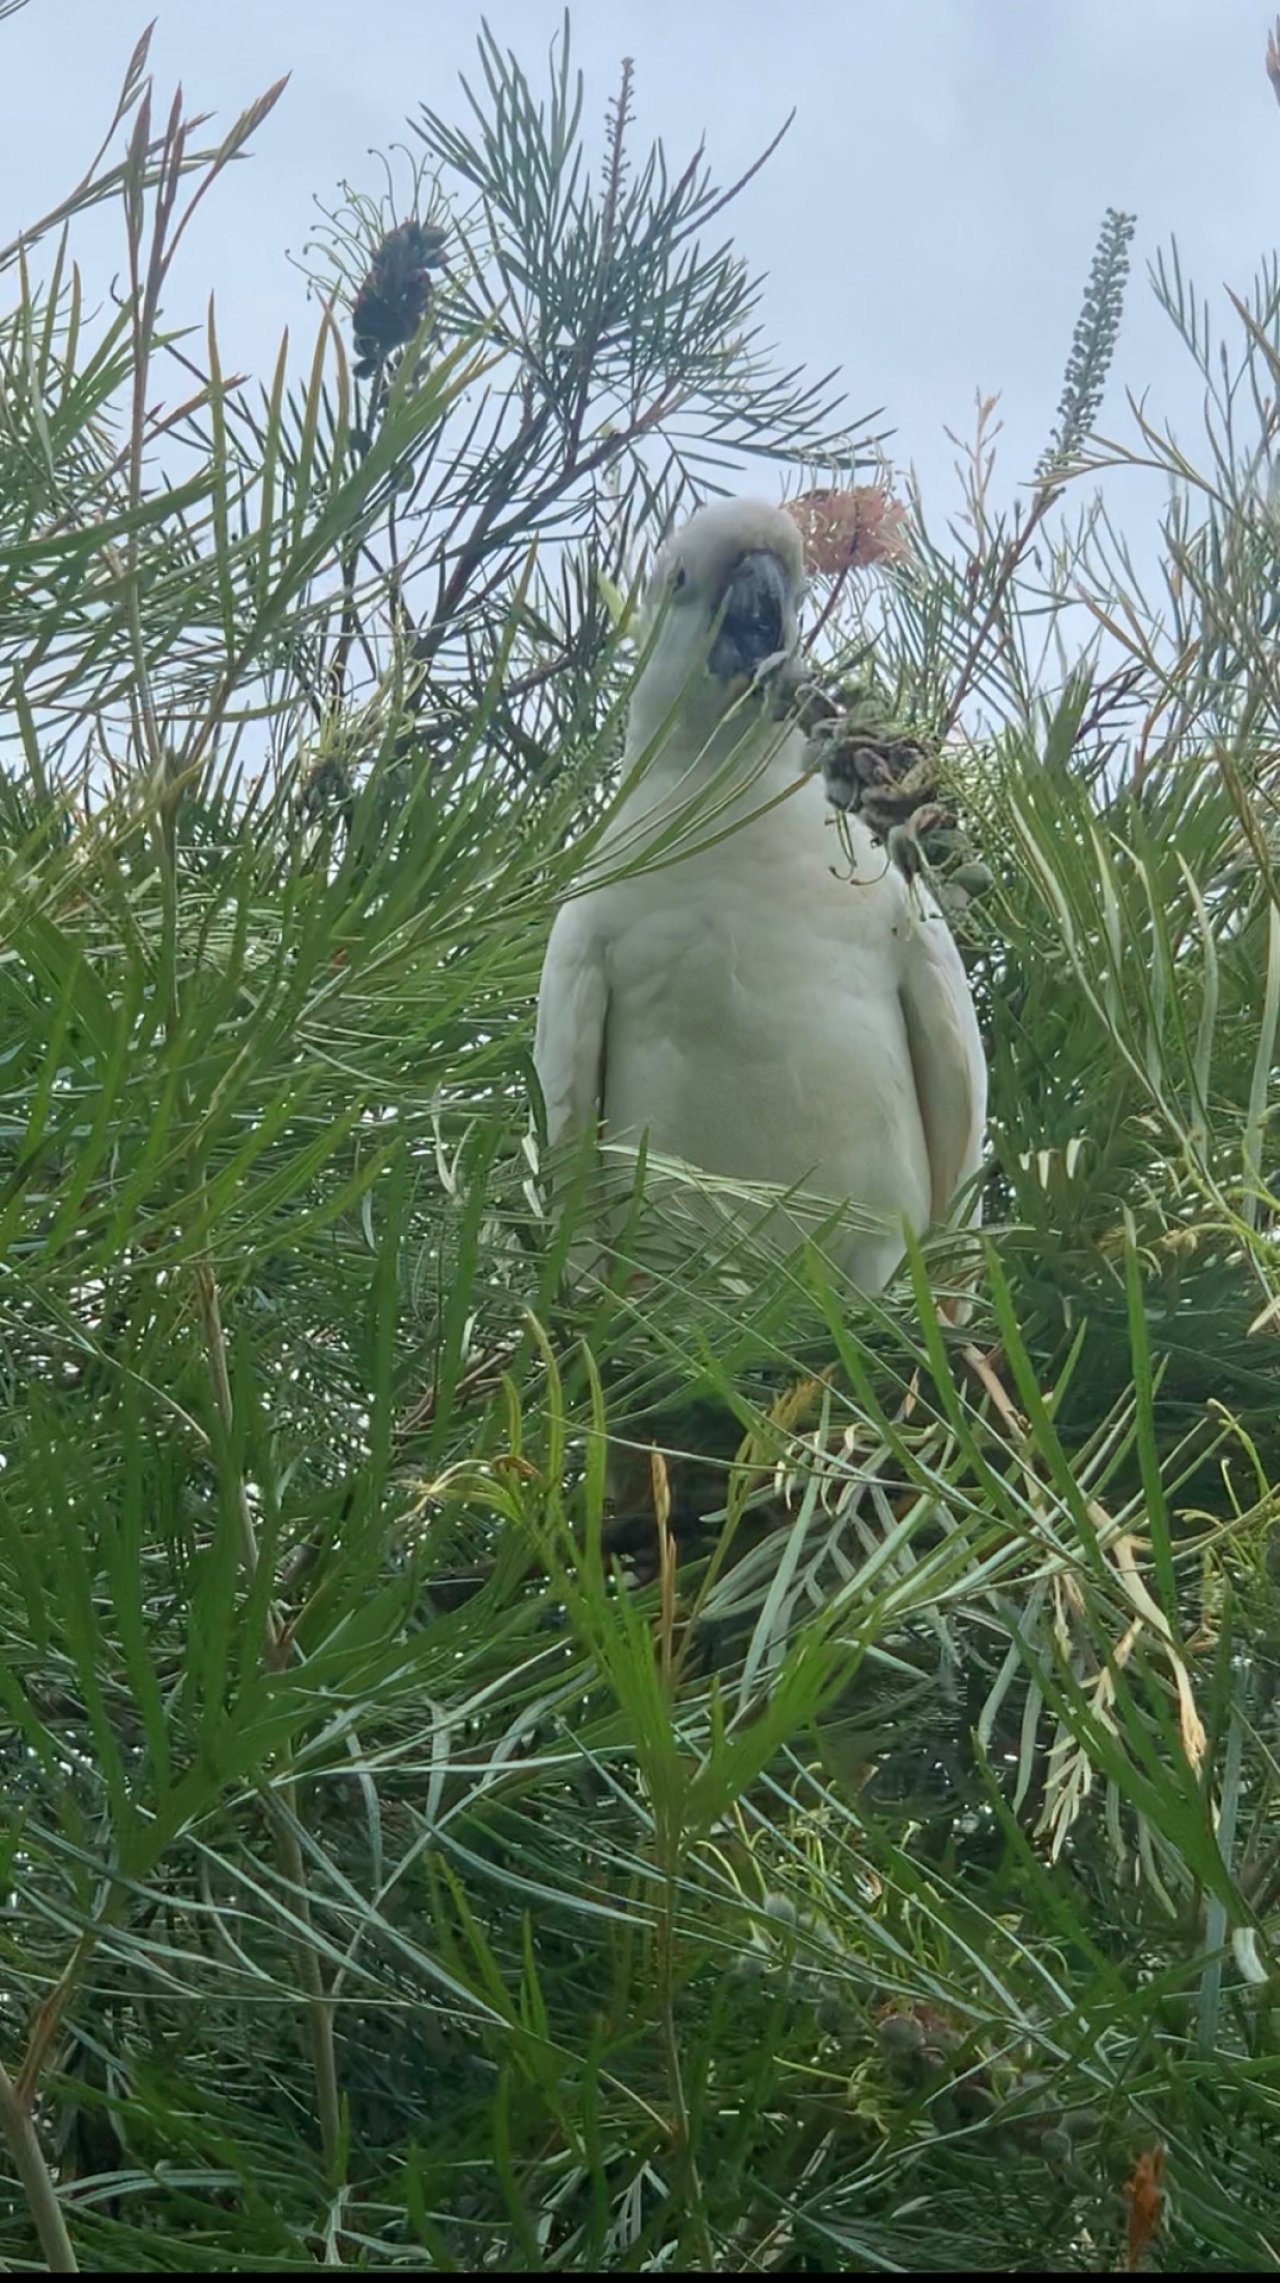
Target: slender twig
[(689, 2197), (349, 624), (726, 197), (166, 793), (1014, 553), (35, 2180), (145, 304), (828, 609), (282, 1810), (487, 534)]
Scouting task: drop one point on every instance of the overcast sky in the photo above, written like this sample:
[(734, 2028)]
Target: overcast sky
[(927, 225)]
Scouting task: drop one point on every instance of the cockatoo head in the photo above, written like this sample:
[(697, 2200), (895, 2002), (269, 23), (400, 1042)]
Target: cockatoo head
[(723, 602)]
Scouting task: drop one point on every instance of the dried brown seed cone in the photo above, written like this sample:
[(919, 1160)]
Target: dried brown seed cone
[(883, 773), (396, 292), (888, 776)]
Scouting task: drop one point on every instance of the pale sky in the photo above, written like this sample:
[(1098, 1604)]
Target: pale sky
[(926, 226)]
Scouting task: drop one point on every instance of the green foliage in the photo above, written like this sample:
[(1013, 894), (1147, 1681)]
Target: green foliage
[(387, 1882)]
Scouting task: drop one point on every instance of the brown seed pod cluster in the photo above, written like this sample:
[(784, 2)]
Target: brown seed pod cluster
[(875, 769), (878, 772), (888, 774), (396, 292)]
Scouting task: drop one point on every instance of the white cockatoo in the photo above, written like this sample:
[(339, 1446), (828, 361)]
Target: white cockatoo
[(757, 1007)]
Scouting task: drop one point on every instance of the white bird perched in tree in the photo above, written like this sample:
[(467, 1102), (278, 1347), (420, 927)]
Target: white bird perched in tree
[(753, 1006)]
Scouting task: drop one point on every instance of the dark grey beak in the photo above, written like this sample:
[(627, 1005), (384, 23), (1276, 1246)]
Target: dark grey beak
[(754, 613)]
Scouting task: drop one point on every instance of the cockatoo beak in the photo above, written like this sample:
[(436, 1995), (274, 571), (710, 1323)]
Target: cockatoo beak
[(753, 624)]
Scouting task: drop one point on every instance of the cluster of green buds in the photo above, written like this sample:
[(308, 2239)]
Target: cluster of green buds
[(916, 2050)]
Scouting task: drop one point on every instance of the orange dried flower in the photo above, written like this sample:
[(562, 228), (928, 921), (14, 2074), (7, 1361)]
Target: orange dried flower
[(1145, 2197), (845, 530)]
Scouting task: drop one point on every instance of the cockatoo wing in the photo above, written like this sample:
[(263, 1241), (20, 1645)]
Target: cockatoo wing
[(946, 1057), (573, 1002)]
